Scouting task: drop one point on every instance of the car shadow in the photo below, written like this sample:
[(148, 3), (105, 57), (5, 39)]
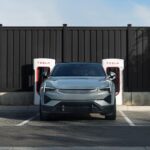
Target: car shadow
[(74, 117), (19, 114)]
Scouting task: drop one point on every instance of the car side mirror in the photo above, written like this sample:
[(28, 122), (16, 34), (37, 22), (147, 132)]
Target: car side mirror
[(44, 74), (112, 76)]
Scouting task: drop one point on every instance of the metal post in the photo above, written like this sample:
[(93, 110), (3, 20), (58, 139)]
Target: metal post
[(129, 44), (64, 42), (1, 56)]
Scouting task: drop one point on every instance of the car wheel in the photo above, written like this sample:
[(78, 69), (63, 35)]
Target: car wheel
[(112, 115), (43, 116)]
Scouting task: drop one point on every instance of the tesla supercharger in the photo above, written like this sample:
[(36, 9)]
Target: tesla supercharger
[(42, 68), (116, 66)]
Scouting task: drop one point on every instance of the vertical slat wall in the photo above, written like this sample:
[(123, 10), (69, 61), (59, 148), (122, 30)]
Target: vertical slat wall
[(138, 59), (94, 44), (18, 48), (20, 45)]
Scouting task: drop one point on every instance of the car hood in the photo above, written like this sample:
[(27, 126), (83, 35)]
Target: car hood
[(77, 82)]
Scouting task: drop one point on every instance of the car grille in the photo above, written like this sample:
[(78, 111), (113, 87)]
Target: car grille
[(76, 107), (77, 91)]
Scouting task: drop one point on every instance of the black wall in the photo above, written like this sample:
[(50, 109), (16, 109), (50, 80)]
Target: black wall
[(19, 45)]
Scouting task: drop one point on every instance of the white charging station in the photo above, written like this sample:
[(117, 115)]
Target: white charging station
[(40, 66), (117, 66)]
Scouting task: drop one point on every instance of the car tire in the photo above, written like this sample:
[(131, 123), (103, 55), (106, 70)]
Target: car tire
[(43, 116), (112, 115)]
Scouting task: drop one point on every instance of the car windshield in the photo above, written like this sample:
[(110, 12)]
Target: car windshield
[(78, 69)]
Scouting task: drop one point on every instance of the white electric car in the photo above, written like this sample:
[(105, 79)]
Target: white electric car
[(78, 88)]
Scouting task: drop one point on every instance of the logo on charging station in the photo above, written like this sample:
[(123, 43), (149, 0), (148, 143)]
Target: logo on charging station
[(43, 63)]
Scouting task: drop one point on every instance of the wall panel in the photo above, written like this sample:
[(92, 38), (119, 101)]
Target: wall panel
[(20, 45)]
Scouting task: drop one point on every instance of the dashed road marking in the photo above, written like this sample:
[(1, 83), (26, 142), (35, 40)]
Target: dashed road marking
[(26, 121), (129, 121)]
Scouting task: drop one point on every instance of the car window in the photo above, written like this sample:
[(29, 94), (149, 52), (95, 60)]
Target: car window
[(67, 69)]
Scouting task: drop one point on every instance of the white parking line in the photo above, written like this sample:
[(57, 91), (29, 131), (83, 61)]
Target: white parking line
[(26, 121), (129, 121)]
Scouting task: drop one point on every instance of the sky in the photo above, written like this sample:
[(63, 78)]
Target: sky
[(75, 12)]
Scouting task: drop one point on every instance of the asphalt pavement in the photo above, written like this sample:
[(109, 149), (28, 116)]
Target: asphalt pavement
[(21, 128)]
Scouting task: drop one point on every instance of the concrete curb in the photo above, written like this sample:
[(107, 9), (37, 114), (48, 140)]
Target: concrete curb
[(133, 108), (76, 148), (19, 108), (16, 98)]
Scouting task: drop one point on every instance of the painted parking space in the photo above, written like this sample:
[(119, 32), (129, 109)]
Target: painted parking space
[(139, 118), (21, 128), (31, 118), (76, 120), (13, 116)]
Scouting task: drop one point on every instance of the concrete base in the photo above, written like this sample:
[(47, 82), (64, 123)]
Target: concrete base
[(26, 98), (136, 98), (16, 98)]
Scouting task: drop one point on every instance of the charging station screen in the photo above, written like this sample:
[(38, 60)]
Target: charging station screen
[(42, 73), (117, 79)]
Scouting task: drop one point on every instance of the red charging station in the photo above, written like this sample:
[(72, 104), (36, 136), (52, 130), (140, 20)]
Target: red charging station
[(42, 68), (116, 66)]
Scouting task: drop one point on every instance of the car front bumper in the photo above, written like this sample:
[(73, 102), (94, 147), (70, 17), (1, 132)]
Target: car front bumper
[(58, 102), (77, 107)]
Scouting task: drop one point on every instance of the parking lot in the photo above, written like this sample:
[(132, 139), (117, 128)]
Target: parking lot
[(21, 126)]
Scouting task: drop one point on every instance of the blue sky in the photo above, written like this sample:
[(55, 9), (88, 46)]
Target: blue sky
[(74, 12)]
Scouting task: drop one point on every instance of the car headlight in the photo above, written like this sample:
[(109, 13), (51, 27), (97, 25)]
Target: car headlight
[(46, 99), (41, 89), (104, 90), (49, 89)]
